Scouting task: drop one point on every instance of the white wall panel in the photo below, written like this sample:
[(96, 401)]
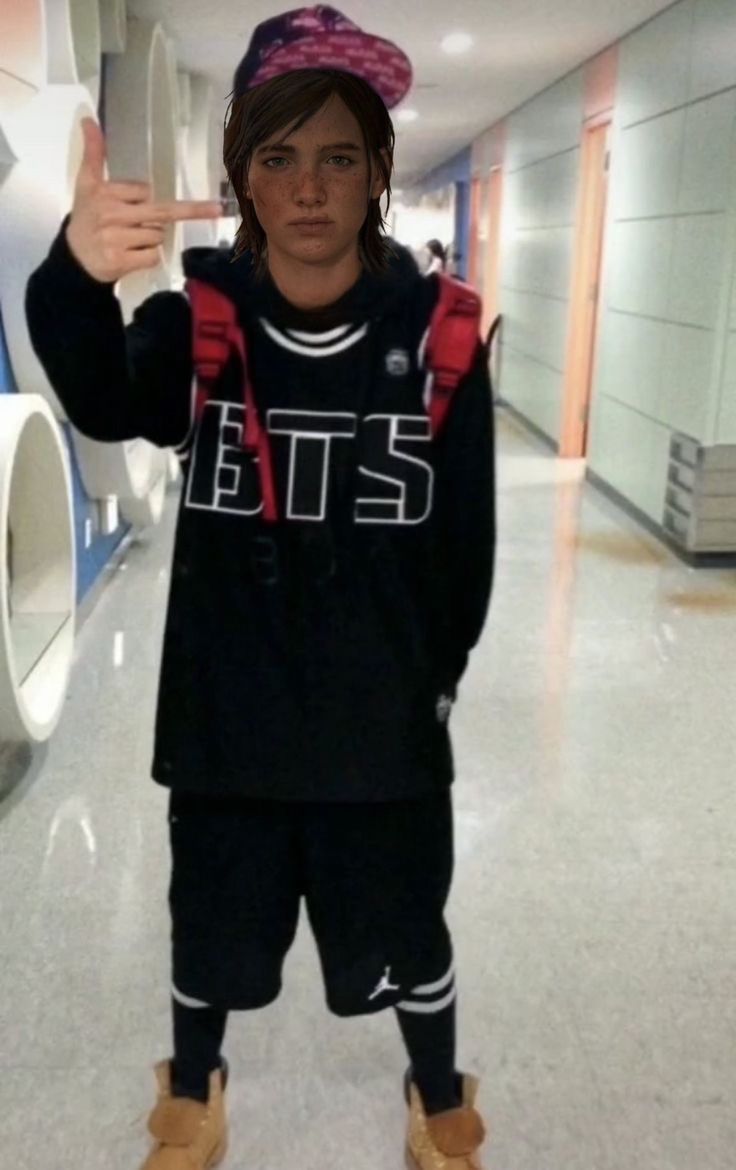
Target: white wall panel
[(727, 417), (684, 380), (629, 359), (536, 326), (713, 65), (528, 189), (631, 453), (647, 168), (547, 125), (555, 278), (707, 153), (561, 178), (697, 270), (654, 66), (639, 266), (533, 389)]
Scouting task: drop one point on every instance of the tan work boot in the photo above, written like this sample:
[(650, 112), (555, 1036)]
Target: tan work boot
[(189, 1135), (445, 1141)]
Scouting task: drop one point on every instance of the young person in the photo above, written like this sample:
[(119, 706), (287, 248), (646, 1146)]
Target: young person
[(437, 257), (331, 572)]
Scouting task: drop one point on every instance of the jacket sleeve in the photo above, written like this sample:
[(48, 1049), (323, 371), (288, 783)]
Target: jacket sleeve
[(115, 382), (465, 518)]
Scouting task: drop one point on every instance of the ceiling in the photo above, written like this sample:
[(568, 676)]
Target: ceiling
[(521, 46)]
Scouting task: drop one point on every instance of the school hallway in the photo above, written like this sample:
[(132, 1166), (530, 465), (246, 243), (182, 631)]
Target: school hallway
[(593, 905)]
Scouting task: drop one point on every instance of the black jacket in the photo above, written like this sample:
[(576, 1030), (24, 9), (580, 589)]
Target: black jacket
[(307, 659)]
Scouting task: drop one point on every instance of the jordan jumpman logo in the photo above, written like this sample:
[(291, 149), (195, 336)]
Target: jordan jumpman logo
[(385, 984)]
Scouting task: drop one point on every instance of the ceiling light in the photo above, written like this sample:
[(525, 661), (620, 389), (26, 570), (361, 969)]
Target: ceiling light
[(407, 115), (457, 43)]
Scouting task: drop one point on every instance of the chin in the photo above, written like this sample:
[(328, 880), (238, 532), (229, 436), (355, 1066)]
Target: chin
[(315, 251)]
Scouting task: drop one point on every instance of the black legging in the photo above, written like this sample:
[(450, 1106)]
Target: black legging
[(199, 1033)]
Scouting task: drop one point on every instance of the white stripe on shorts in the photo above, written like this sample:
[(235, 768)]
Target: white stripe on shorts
[(431, 988), (428, 1008), (186, 1000)]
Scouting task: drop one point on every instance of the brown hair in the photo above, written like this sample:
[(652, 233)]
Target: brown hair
[(296, 97)]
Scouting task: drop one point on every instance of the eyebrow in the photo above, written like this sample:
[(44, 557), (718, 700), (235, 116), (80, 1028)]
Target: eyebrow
[(286, 148)]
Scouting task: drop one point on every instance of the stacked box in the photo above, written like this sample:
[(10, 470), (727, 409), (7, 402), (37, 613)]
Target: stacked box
[(700, 504)]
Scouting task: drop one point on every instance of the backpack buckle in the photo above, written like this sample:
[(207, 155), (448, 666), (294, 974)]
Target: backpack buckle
[(211, 328), (445, 380), (207, 370)]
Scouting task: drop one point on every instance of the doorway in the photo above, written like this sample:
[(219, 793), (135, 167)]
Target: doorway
[(584, 304)]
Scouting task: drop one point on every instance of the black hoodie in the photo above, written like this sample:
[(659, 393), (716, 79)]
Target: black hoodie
[(311, 658)]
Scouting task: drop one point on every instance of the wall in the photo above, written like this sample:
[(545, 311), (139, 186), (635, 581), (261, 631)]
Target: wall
[(667, 345), (541, 170)]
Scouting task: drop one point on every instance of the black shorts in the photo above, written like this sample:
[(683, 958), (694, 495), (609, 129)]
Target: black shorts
[(375, 877)]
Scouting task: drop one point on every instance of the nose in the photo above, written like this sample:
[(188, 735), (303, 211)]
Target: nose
[(309, 188)]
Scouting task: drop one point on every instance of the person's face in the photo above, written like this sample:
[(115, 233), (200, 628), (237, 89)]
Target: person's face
[(320, 172)]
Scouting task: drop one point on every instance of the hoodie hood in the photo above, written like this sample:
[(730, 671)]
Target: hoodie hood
[(370, 296)]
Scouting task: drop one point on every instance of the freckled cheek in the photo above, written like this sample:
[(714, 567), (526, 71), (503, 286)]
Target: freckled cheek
[(270, 198)]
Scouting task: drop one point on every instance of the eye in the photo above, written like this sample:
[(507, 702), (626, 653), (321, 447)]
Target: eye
[(344, 161)]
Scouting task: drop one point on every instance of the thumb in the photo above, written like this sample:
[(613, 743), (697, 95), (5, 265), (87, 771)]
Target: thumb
[(92, 166)]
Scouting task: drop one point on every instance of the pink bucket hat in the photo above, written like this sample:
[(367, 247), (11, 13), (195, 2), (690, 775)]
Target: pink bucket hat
[(322, 38)]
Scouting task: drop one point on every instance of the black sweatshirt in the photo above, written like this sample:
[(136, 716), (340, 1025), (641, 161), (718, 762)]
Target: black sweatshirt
[(306, 659)]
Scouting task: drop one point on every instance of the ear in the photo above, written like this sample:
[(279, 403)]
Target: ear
[(377, 184)]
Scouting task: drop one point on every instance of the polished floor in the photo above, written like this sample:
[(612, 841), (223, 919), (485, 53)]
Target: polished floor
[(594, 905)]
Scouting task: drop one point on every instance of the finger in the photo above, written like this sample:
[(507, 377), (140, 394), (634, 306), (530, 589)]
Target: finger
[(141, 258), (114, 211), (94, 153), (141, 238), (179, 209), (128, 191)]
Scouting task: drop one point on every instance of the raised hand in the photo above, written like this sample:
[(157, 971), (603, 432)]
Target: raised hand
[(117, 227)]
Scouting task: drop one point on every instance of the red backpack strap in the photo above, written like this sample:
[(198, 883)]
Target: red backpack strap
[(215, 332), (454, 336)]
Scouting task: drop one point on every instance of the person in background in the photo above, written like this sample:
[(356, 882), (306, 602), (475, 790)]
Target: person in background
[(332, 572), (437, 257)]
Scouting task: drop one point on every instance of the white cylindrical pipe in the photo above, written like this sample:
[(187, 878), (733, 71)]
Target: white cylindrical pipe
[(141, 136), (43, 148), (74, 45), (45, 136), (185, 96), (37, 570), (144, 512), (113, 26), (126, 469), (202, 161)]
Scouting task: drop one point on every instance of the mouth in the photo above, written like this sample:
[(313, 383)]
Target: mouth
[(311, 225)]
